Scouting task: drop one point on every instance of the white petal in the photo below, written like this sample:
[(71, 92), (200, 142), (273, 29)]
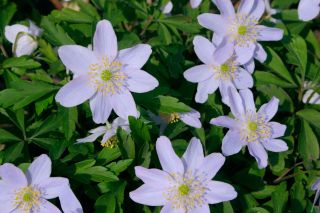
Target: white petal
[(140, 81), (135, 57), (258, 9), (75, 92), (169, 161), (167, 8), (259, 153), (245, 6), (308, 9), (275, 145), (39, 170), (193, 156), (250, 66), (260, 54), (77, 58), (224, 88), (270, 109), (12, 175), (198, 73), (243, 79), (224, 121), (201, 209), (34, 29), (108, 135), (191, 118), (105, 40), (246, 53), (100, 105), (204, 49), (124, 105), (206, 88), (236, 103), (155, 177), (7, 206), (47, 207), (232, 143), (211, 164), (25, 45), (269, 33), (90, 138), (248, 100), (217, 38), (195, 3), (225, 7), (148, 195), (278, 129), (169, 208), (53, 187), (220, 192), (224, 51), (69, 202), (213, 22), (11, 32)]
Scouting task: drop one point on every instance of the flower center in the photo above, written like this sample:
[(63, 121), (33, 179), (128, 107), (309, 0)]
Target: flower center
[(226, 71), (252, 126), (184, 189), (224, 68), (174, 117), (106, 75), (27, 199), (242, 30), (111, 142)]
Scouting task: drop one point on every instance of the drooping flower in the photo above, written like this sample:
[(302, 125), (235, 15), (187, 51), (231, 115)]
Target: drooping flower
[(271, 11), (191, 118), (311, 96), (109, 132), (308, 9), (240, 32), (184, 185), (251, 128), (316, 187), (28, 193), (216, 73), (105, 76), (23, 38), (166, 9)]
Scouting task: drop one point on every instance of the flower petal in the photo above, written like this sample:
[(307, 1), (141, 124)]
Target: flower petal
[(232, 143), (100, 105), (25, 45), (248, 100), (275, 145), (39, 170), (69, 202), (205, 88), (11, 32), (75, 92), (198, 73), (278, 129), (153, 177), (269, 33), (270, 109), (148, 195), (243, 79), (236, 103), (53, 186), (250, 66), (108, 135), (195, 3), (224, 88), (204, 49), (200, 209), (77, 58), (167, 8), (220, 192), (135, 57), (124, 105), (169, 161), (258, 9), (245, 6), (224, 51), (193, 156), (245, 53), (140, 81), (191, 118), (12, 175), (260, 54), (259, 153), (47, 207), (90, 138), (224, 121), (7, 206), (225, 7), (105, 40), (213, 22), (211, 164), (308, 9), (169, 208)]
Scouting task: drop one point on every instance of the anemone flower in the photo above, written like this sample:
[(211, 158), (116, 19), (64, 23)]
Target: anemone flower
[(23, 38), (184, 185), (240, 32), (105, 76), (316, 187), (29, 192), (109, 132), (251, 128), (308, 9), (216, 73)]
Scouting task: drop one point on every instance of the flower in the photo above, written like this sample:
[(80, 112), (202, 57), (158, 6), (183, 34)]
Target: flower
[(251, 128), (109, 132), (311, 96), (29, 192), (105, 76), (215, 72), (316, 187), (184, 185), (23, 38), (308, 9), (270, 11), (167, 8), (195, 3), (239, 32), (191, 118)]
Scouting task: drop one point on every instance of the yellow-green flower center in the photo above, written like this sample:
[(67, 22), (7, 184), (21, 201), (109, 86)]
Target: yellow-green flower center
[(106, 75), (26, 197), (242, 30), (252, 126), (184, 190), (224, 68)]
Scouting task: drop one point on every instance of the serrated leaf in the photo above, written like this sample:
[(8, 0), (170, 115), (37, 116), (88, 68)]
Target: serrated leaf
[(6, 137), (23, 62), (308, 145)]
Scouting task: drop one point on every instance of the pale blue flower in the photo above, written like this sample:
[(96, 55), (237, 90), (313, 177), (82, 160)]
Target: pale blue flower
[(316, 187), (184, 185), (240, 32), (308, 9), (105, 76), (167, 8), (222, 72), (251, 128), (28, 193)]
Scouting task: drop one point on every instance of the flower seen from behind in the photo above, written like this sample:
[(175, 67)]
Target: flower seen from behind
[(105, 76), (251, 128), (184, 185)]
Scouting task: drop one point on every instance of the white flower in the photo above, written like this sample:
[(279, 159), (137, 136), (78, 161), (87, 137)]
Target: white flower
[(166, 9), (108, 131), (105, 76), (308, 9), (311, 96), (28, 193), (23, 38)]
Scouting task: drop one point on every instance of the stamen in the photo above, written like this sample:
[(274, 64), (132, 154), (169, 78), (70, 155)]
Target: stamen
[(106, 75), (184, 189), (111, 143), (226, 71), (27, 199), (174, 118), (242, 30)]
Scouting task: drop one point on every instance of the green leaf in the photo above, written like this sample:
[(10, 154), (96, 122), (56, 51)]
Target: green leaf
[(164, 34), (280, 198), (139, 130), (312, 116), (72, 16), (96, 174), (120, 166), (308, 144), (168, 104), (13, 152), (126, 144), (183, 23), (105, 204), (6, 137), (6, 14), (23, 62), (265, 78), (69, 119)]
